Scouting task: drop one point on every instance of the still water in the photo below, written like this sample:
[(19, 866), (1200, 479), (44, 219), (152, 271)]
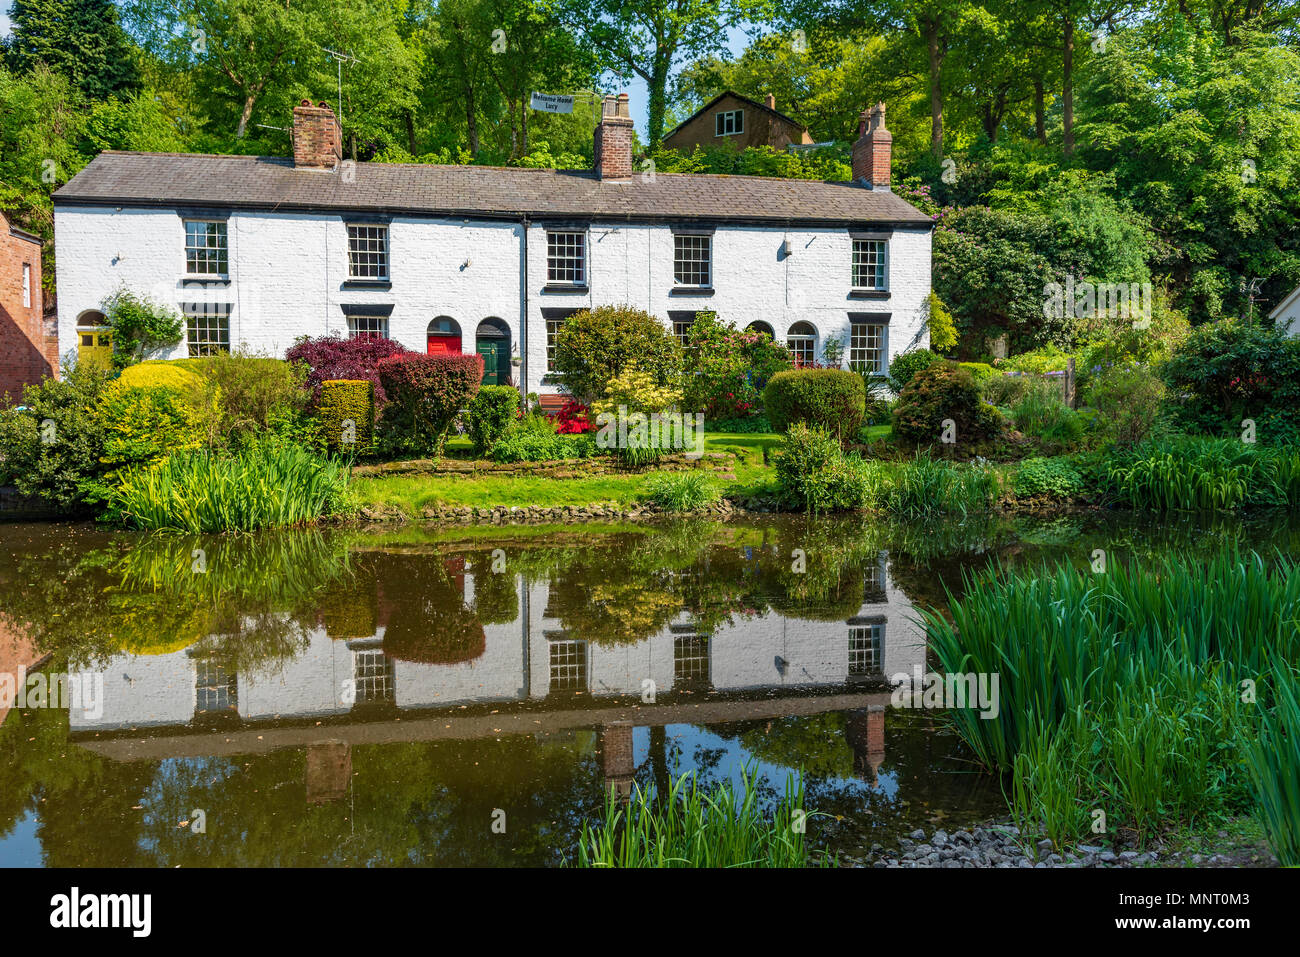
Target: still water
[(383, 697)]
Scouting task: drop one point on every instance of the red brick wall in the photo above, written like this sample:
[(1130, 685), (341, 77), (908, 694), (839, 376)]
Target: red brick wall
[(761, 129), (26, 353), (317, 140), (874, 149), (613, 140)]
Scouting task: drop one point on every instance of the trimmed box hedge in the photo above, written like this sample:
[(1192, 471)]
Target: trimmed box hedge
[(343, 401), (831, 399)]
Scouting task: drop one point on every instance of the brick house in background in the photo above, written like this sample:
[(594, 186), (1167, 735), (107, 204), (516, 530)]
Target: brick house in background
[(730, 119), (27, 354)]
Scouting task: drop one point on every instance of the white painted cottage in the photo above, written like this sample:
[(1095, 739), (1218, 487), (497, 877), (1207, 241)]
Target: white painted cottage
[(257, 251), (1287, 314)]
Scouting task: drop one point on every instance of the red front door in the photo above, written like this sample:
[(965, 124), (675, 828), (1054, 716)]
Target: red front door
[(443, 344)]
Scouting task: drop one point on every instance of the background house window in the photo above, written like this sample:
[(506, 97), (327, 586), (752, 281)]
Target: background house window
[(692, 260), (729, 122), (865, 643), (205, 248), (368, 252), (370, 327), (690, 659), (867, 347), (27, 285), (869, 264), (566, 258), (207, 329), (801, 340)]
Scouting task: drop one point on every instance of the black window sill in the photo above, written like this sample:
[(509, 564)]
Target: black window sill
[(691, 291), (562, 287), (383, 284), (869, 294), (206, 280)]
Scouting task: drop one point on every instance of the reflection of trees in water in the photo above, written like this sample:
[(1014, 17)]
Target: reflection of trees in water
[(428, 620)]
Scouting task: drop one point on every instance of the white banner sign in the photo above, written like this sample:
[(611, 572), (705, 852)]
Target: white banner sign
[(552, 103)]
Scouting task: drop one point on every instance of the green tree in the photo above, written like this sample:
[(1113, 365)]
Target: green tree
[(79, 39)]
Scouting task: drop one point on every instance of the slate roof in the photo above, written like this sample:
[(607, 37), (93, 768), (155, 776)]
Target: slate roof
[(264, 182)]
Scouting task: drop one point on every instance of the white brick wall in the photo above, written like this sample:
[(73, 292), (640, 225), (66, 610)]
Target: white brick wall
[(287, 272)]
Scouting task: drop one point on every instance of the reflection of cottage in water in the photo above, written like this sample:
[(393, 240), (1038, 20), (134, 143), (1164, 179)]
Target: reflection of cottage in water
[(425, 631)]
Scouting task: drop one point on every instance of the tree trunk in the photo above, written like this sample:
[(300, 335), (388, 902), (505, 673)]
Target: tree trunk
[(410, 133), (936, 89), (1040, 111), (658, 100), (471, 120), (1067, 86), (245, 116)]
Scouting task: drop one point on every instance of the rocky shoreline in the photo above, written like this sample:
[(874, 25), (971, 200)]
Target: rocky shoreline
[(1001, 845)]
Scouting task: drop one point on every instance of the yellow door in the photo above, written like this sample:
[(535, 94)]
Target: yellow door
[(95, 345)]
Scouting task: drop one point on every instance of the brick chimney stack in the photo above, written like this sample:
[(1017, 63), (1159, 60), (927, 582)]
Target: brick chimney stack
[(873, 150), (771, 102), (317, 139), (613, 140)]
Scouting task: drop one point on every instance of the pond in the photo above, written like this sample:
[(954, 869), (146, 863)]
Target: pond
[(408, 696)]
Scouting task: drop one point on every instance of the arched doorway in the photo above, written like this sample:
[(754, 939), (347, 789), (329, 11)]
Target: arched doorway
[(801, 340), (94, 338), (492, 342), (443, 335), (758, 325)]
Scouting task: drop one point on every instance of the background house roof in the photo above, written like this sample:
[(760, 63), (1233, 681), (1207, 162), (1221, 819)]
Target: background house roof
[(261, 182)]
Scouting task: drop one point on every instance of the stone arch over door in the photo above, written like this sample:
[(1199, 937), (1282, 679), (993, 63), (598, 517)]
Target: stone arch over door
[(94, 337), (443, 336), (492, 342)]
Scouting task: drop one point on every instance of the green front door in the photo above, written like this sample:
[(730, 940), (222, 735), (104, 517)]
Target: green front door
[(490, 350)]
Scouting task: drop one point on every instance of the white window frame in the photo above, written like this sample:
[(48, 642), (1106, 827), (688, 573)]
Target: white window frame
[(859, 344), (693, 240), (862, 263), (728, 122), (379, 322), (866, 647), (807, 343), (553, 327), (368, 262), (563, 260), (217, 256), (207, 333), (27, 285)]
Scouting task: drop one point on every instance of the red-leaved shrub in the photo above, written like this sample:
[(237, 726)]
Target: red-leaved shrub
[(331, 357), (574, 418), (425, 394)]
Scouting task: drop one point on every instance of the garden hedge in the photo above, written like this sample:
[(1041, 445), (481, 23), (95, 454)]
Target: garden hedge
[(832, 399), (940, 392), (490, 414), (425, 394), (344, 400)]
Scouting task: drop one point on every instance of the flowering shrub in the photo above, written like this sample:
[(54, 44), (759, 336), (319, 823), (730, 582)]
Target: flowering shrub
[(425, 394), (638, 392), (574, 418), (728, 368), (331, 357)]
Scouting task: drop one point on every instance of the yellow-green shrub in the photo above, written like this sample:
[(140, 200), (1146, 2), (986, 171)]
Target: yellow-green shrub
[(142, 425), (342, 400), (183, 374)]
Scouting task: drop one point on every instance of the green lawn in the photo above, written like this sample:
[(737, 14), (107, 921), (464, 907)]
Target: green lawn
[(412, 493)]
